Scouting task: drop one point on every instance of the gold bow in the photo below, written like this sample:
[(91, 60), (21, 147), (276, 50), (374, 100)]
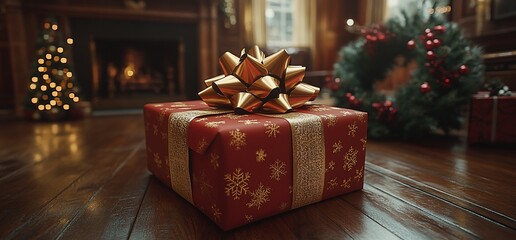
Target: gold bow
[(254, 82)]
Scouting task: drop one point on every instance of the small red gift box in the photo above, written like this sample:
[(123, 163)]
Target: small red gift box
[(242, 168), (492, 119)]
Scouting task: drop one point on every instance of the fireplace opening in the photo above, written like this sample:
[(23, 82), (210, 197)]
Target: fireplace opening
[(133, 71)]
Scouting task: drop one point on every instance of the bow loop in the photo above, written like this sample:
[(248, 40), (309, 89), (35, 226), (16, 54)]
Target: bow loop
[(253, 82)]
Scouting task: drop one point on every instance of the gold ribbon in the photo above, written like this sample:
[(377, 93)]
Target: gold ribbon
[(308, 156), (254, 83), (178, 156)]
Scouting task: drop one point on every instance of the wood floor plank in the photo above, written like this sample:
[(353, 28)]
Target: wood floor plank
[(53, 218), (401, 218), (33, 190), (113, 209), (492, 199), (475, 224)]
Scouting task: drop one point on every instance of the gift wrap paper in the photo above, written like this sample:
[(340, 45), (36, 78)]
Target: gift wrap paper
[(237, 169)]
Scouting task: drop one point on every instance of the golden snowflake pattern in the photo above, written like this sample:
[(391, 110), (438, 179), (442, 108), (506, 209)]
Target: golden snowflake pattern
[(332, 184), (216, 212), (237, 183), (214, 160), (249, 121), (259, 196), (201, 119), (278, 170), (204, 184), (283, 206), (361, 117), (202, 144), (331, 166), (249, 218), (317, 108), (359, 174), (364, 142), (232, 116), (238, 139), (155, 129), (157, 159), (260, 155), (350, 159), (337, 147), (332, 119), (271, 128), (346, 183), (162, 114), (352, 129), (345, 113), (214, 124)]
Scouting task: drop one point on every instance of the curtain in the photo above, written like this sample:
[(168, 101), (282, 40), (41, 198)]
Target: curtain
[(254, 18)]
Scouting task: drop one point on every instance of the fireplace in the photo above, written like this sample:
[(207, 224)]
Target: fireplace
[(125, 71), (128, 63)]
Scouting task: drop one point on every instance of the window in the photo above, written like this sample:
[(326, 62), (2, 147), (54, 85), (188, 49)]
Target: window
[(279, 23)]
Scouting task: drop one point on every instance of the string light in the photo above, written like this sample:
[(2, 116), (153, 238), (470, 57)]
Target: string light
[(43, 88), (48, 107), (44, 97), (32, 86), (69, 85), (52, 84), (69, 41), (35, 79), (41, 107), (46, 25), (63, 60), (71, 95), (45, 76), (48, 56), (34, 100), (54, 27), (56, 58), (54, 94), (41, 61), (53, 102), (58, 88), (76, 99), (60, 50), (41, 69), (66, 107), (69, 74)]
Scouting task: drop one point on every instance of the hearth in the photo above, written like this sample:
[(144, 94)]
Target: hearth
[(127, 63)]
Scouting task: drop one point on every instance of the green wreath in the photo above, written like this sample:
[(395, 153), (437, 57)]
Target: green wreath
[(449, 70)]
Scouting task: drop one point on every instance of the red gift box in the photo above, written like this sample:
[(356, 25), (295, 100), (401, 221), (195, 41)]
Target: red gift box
[(492, 119), (242, 168)]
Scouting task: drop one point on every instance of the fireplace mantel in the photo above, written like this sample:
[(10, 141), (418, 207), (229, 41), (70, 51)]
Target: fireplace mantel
[(23, 16)]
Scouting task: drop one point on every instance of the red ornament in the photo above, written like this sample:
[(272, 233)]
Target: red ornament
[(463, 69), (446, 83), (430, 55), (411, 44), (429, 44), (428, 30), (437, 42), (429, 36), (380, 36), (439, 29), (425, 88)]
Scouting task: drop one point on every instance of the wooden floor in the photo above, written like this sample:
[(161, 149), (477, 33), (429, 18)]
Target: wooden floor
[(88, 180)]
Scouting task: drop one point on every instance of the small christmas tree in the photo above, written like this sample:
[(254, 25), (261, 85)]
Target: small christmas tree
[(53, 93)]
